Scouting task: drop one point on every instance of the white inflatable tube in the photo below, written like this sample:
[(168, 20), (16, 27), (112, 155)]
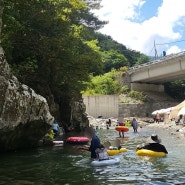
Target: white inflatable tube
[(110, 161), (58, 143)]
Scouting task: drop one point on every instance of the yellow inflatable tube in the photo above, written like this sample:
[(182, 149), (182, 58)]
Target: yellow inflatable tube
[(150, 153), (116, 151)]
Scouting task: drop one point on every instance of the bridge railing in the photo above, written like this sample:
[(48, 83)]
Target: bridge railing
[(153, 62)]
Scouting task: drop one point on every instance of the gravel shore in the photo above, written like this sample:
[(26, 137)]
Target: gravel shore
[(172, 127)]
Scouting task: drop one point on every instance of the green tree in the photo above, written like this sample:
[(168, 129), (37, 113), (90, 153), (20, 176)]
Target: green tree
[(142, 59), (176, 89), (113, 60), (126, 56), (103, 84), (45, 43)]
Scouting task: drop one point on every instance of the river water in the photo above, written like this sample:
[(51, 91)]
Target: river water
[(65, 165)]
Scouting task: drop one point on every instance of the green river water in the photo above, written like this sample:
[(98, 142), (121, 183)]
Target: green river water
[(65, 165)]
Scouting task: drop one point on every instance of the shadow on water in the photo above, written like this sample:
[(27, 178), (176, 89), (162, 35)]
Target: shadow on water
[(65, 165)]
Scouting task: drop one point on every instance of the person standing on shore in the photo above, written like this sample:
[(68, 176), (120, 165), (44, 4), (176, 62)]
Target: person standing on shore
[(157, 118)]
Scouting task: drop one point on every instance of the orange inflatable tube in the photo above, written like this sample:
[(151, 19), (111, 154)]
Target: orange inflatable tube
[(122, 128)]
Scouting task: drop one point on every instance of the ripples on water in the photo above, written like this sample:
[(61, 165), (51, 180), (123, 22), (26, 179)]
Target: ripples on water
[(67, 166)]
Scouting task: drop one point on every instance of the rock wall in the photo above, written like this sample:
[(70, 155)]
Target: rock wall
[(24, 115), (79, 118)]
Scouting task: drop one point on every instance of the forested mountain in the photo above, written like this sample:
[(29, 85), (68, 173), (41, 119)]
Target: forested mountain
[(116, 55)]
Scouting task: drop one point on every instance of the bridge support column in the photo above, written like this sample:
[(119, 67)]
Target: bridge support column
[(147, 87)]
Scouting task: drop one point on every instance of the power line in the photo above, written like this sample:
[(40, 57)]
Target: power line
[(160, 44), (171, 42)]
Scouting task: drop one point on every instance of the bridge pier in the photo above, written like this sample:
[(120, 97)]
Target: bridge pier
[(147, 87)]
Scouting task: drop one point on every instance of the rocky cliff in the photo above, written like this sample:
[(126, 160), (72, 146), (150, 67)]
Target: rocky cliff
[(79, 118), (24, 115)]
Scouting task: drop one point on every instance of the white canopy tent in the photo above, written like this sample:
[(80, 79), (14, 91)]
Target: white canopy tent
[(181, 111), (176, 109), (163, 111), (155, 112)]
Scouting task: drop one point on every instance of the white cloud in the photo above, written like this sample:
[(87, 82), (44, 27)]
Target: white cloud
[(140, 36), (173, 50)]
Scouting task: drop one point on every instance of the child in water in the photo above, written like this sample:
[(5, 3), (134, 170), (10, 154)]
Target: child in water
[(101, 153)]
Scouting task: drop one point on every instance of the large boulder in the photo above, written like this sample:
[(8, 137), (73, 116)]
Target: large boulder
[(79, 118), (24, 115)]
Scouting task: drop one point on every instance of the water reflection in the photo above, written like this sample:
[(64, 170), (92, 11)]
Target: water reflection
[(67, 166)]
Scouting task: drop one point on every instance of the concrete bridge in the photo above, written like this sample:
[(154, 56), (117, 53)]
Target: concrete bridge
[(152, 75)]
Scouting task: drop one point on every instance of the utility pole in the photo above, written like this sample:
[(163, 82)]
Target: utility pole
[(156, 55)]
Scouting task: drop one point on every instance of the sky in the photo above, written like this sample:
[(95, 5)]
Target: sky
[(144, 25)]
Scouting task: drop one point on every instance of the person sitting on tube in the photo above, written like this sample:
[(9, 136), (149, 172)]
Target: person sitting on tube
[(101, 153), (154, 144)]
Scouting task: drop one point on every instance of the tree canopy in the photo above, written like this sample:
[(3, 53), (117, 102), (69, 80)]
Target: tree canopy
[(46, 44), (44, 41)]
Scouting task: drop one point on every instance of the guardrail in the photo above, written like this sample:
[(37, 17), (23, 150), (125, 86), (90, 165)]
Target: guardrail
[(154, 62)]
